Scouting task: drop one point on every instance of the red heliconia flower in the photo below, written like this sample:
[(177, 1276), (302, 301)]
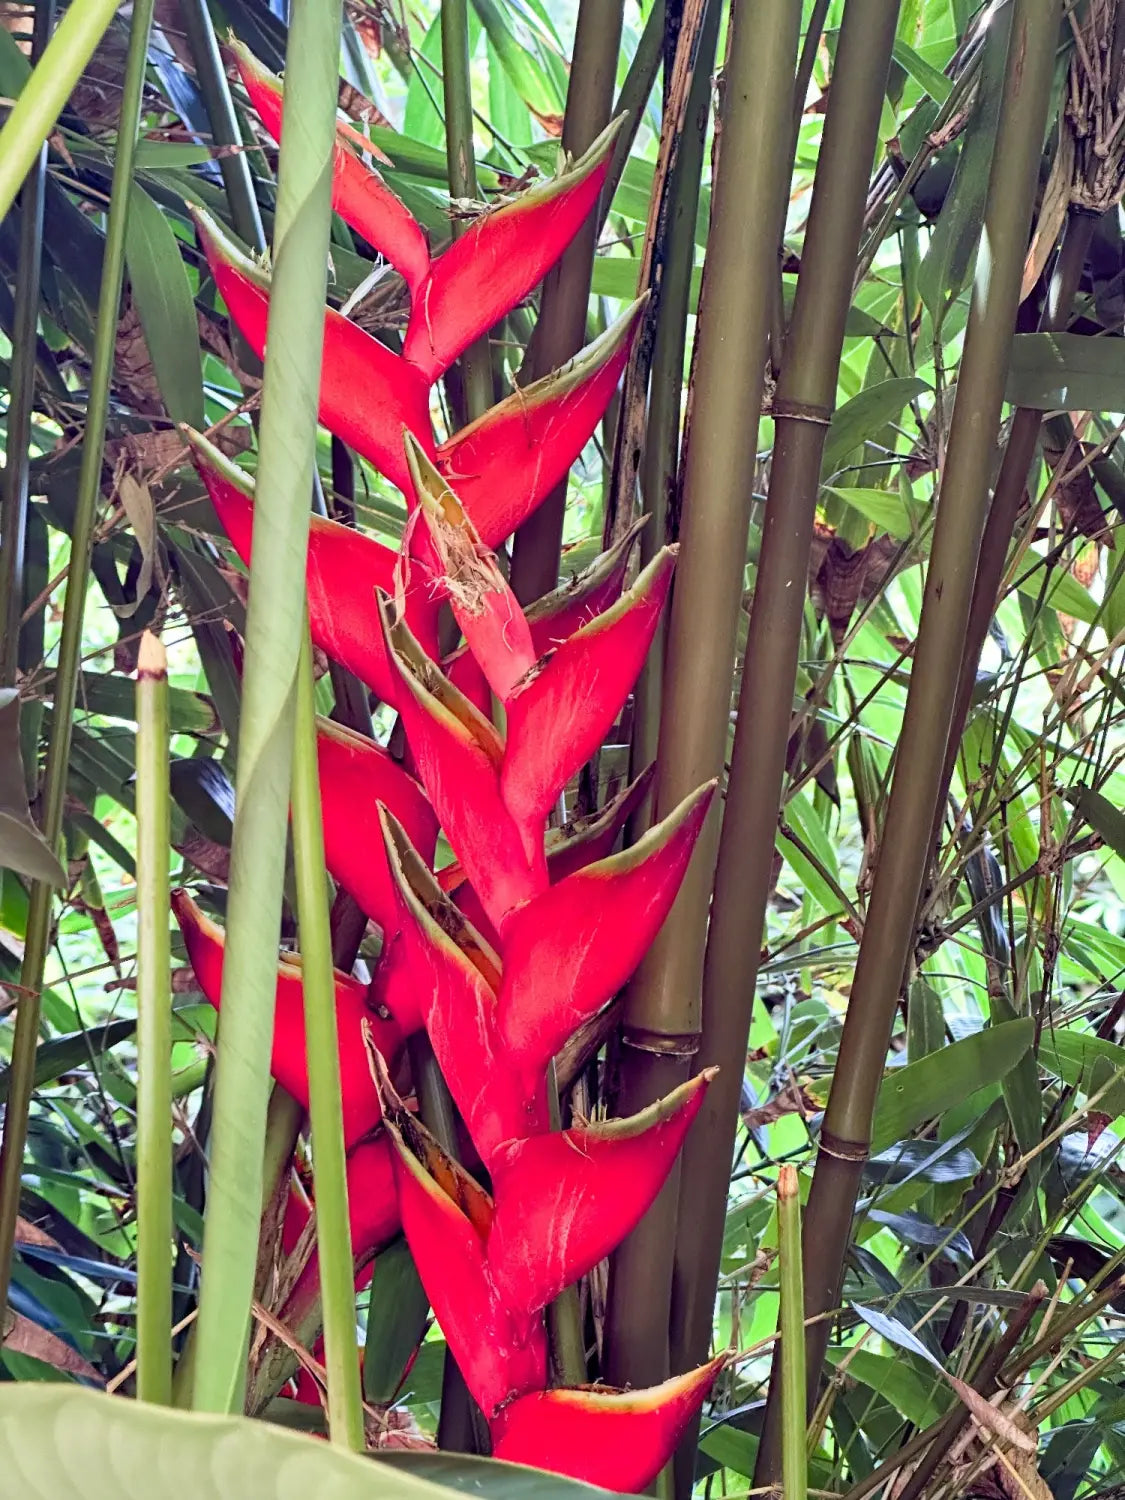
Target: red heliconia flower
[(619, 1440), (205, 941), (395, 394), (458, 755), (343, 571), (562, 1200), (359, 194), (455, 974), (356, 775), (555, 616), (568, 951)]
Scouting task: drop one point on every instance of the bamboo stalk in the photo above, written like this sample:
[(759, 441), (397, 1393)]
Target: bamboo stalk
[(662, 1004), (805, 396), (904, 849), (476, 362), (21, 398), (660, 350), (45, 93), (154, 1030), (64, 59), (561, 330), (330, 1179), (791, 1326), (274, 632)]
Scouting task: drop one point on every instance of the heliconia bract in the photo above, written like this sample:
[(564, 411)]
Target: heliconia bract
[(503, 955)]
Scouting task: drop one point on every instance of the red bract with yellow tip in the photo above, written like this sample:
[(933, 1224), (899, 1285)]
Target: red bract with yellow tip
[(504, 955)]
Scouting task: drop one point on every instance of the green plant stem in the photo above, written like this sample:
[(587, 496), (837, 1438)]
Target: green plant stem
[(1009, 492), (564, 1314), (44, 96), (333, 1232), (805, 396), (275, 629), (61, 57), (154, 1031), (476, 362), (791, 1326), (561, 330), (662, 1003), (21, 400), (904, 847), (631, 101), (675, 261)]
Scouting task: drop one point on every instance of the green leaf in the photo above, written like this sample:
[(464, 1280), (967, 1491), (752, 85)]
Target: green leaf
[(166, 307), (1066, 372), (924, 1089), (485, 1476), (531, 82), (731, 1448), (113, 695), (886, 509), (1087, 1062), (65, 1053), (935, 83), (854, 422), (22, 847), (917, 1396), (1100, 813), (395, 1323), (69, 1444)]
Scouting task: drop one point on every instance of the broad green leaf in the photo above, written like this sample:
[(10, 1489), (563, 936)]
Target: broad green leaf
[(484, 1476), (114, 695), (395, 1323), (1064, 592), (887, 509), (924, 1089), (1100, 813), (64, 1053), (167, 310), (925, 1020), (1067, 372), (920, 1398), (533, 85), (924, 74), (1086, 1062), (731, 1448), (819, 873), (22, 847), (63, 1443), (864, 414)]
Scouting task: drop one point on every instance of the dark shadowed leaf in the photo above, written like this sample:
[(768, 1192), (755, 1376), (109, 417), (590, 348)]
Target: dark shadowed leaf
[(163, 299), (1067, 372), (22, 847)]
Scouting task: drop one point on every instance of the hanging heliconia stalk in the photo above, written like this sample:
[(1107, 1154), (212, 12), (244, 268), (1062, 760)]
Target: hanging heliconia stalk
[(503, 956)]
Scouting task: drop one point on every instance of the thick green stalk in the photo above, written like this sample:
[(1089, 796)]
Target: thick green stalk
[(660, 461), (275, 628), (476, 362), (904, 847), (561, 330), (154, 1031), (662, 1003), (805, 397), (61, 59), (330, 1170), (45, 94), (791, 1325), (13, 516)]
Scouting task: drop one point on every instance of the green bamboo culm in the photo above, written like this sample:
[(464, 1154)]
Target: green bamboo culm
[(330, 1181), (791, 1325), (62, 62), (154, 1030), (905, 844), (803, 404), (662, 1003), (565, 301), (476, 362), (42, 99), (275, 628)]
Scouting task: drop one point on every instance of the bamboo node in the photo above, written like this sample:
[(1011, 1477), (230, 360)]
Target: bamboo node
[(833, 1145)]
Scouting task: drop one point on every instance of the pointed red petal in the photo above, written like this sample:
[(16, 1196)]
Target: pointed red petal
[(458, 754), (586, 840), (568, 952), (367, 394), (503, 464), (561, 713), (497, 1358), (617, 1439), (502, 256), (205, 941), (359, 194), (343, 570), (456, 975), (564, 1200), (483, 604), (355, 776)]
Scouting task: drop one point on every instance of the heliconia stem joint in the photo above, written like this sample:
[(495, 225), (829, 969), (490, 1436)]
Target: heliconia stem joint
[(504, 955)]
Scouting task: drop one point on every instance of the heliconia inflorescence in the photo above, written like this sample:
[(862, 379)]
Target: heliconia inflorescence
[(504, 955)]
